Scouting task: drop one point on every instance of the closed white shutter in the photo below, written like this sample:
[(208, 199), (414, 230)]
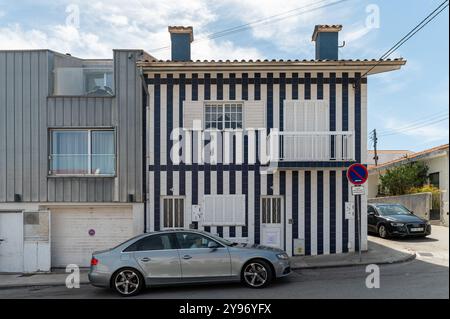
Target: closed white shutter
[(192, 110), (306, 116), (224, 210), (255, 114)]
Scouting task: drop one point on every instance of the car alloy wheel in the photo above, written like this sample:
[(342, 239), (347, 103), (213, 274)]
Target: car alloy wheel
[(256, 274), (127, 282), (382, 231)]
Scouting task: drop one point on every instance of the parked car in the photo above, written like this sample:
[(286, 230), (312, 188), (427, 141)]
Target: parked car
[(184, 256), (395, 220)]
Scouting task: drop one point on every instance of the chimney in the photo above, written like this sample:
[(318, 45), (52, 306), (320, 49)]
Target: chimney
[(181, 38), (326, 38)]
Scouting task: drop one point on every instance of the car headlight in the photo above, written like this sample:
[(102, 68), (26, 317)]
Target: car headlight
[(397, 224), (283, 256)]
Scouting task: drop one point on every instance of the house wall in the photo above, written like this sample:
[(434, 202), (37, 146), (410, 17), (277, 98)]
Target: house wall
[(314, 193), (28, 110)]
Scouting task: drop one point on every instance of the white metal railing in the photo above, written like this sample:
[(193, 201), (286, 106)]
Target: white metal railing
[(316, 146)]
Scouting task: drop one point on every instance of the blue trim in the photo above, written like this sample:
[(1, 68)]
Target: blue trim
[(307, 86), (332, 116), (207, 229), (269, 102), (294, 206), (194, 86), (232, 231), (181, 98), (307, 213), (295, 81), (219, 86), (344, 221), (257, 201), (257, 80), (320, 86), (257, 86), (283, 193), (169, 127), (156, 151), (282, 97), (245, 187), (220, 231), (345, 101), (332, 212), (320, 212), (358, 119), (245, 86), (232, 86), (207, 90)]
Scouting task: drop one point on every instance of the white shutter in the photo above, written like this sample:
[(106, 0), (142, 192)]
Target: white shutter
[(224, 210), (306, 116), (255, 114), (192, 110)]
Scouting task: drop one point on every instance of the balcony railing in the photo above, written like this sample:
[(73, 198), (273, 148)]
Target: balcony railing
[(82, 164), (316, 146)]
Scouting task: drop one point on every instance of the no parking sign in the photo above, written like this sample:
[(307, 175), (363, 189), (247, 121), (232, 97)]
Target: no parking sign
[(357, 174)]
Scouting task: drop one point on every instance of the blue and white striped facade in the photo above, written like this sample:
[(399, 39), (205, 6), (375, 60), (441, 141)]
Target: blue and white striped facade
[(313, 192)]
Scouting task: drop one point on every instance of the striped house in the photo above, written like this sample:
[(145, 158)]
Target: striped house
[(318, 109)]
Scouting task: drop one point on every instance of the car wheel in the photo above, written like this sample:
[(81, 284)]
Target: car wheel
[(382, 231), (127, 282), (257, 274)]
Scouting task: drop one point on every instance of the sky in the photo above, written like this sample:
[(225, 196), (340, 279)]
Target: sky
[(408, 108)]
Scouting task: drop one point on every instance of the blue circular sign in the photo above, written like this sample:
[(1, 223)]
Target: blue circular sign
[(357, 174)]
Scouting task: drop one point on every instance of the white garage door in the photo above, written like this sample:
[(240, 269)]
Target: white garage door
[(77, 232)]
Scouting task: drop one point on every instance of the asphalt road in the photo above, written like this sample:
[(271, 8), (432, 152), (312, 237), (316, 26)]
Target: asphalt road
[(425, 277)]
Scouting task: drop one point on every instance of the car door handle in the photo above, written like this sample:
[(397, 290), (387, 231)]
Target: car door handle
[(187, 257), (145, 259)]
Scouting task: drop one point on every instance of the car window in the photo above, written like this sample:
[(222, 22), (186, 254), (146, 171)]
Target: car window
[(371, 210), (153, 242), (193, 241), (388, 210)]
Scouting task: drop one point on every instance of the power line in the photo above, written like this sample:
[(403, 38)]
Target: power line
[(430, 17), (416, 122), (271, 19), (417, 127)]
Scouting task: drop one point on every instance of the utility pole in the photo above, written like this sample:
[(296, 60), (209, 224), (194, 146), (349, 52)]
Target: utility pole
[(374, 139)]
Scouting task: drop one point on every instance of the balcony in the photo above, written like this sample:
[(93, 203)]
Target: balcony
[(316, 146), (84, 81)]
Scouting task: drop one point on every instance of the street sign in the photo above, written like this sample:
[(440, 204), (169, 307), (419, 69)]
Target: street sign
[(358, 190), (357, 174)]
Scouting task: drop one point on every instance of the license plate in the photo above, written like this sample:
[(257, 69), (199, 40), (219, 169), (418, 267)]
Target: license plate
[(417, 229)]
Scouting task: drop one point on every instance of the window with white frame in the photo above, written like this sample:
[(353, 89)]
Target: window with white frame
[(173, 209), (223, 116), (271, 208), (224, 210), (82, 152)]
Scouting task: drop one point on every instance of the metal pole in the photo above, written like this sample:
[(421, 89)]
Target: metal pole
[(358, 205)]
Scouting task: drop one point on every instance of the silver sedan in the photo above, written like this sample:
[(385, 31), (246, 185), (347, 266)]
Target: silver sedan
[(184, 256)]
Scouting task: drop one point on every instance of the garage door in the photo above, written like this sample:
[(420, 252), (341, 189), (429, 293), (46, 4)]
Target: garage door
[(77, 232)]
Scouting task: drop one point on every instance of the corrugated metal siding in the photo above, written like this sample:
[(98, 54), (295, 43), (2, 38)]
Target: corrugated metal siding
[(26, 113)]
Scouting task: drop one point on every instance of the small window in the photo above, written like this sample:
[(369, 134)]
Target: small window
[(82, 152), (193, 241), (173, 208), (223, 116), (434, 179), (153, 242), (271, 210)]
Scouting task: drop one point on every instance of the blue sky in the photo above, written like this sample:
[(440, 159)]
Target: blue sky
[(402, 101)]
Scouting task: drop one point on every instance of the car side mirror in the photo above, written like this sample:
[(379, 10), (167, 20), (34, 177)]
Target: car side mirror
[(213, 245), (370, 213)]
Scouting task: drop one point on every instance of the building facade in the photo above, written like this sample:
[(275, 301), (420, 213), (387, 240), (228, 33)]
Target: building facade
[(71, 156), (317, 110)]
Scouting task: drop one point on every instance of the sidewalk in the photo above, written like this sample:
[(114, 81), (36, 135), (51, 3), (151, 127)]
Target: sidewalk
[(376, 254)]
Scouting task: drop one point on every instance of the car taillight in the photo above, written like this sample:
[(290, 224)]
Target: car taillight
[(94, 261)]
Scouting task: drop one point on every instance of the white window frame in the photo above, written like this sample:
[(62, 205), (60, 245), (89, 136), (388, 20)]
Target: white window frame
[(89, 153), (223, 105), (163, 213), (210, 218)]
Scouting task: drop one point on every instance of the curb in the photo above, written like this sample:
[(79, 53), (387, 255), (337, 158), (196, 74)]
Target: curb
[(410, 257), (59, 284)]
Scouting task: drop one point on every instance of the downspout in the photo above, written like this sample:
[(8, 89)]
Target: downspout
[(145, 99)]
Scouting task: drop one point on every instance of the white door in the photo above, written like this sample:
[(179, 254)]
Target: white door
[(271, 221), (11, 242), (76, 232)]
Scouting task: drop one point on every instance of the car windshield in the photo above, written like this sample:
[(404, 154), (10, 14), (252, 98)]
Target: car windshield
[(386, 210)]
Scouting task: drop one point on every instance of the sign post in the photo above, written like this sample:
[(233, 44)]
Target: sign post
[(357, 174)]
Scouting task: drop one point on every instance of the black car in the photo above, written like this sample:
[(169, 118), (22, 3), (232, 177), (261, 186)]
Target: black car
[(395, 220)]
